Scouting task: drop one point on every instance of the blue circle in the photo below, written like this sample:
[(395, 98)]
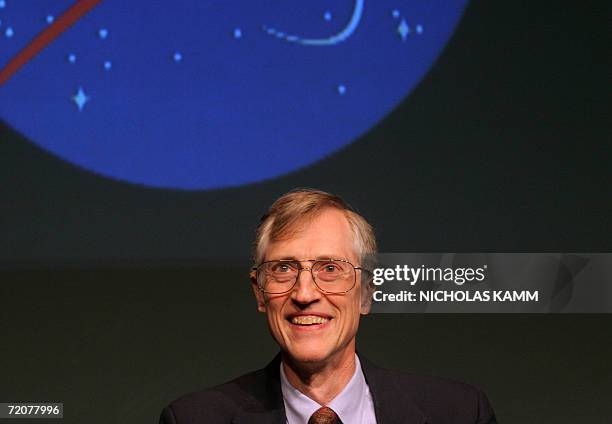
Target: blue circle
[(235, 112)]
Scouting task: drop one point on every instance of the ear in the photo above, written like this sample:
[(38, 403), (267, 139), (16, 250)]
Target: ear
[(259, 295), (367, 290)]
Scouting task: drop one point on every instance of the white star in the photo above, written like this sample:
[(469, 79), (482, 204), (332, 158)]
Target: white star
[(403, 29), (80, 99)]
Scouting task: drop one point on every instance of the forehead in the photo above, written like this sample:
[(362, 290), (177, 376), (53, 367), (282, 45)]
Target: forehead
[(327, 234)]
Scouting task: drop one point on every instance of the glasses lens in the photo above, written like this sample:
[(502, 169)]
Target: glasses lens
[(334, 276), (278, 276)]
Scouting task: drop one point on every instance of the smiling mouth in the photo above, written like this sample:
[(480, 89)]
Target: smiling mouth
[(308, 320)]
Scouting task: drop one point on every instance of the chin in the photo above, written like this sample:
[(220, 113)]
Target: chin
[(308, 355)]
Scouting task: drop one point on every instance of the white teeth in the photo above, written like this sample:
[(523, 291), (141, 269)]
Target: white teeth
[(308, 320)]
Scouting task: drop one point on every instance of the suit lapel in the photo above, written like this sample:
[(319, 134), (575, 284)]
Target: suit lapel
[(391, 404), (268, 407)]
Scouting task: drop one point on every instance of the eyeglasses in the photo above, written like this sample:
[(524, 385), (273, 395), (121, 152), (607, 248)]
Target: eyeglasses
[(332, 276)]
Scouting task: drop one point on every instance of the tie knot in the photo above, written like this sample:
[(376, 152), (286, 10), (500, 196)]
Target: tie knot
[(324, 415)]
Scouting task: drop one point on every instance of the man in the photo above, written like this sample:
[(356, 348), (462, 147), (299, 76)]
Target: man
[(310, 280)]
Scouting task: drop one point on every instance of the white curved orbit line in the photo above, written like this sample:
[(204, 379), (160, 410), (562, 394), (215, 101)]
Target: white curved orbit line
[(330, 41)]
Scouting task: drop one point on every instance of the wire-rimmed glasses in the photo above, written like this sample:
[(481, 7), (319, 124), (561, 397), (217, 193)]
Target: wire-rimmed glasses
[(332, 276)]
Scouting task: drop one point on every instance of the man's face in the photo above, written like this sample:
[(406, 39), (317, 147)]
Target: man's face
[(328, 235)]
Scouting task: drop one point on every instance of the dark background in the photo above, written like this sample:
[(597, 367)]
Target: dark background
[(115, 298)]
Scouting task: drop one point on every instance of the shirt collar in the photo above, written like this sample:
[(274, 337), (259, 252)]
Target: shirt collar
[(350, 404)]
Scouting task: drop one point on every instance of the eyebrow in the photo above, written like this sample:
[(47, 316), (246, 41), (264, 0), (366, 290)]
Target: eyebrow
[(318, 258)]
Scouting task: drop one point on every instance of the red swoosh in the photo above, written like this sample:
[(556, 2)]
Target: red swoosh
[(42, 40)]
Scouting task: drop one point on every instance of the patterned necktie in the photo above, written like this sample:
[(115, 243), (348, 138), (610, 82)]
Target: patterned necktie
[(324, 415)]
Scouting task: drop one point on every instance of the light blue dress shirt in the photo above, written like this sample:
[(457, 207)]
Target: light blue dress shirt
[(353, 404)]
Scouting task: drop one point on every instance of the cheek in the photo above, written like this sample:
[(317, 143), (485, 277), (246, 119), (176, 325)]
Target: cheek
[(357, 308), (274, 314), (351, 314)]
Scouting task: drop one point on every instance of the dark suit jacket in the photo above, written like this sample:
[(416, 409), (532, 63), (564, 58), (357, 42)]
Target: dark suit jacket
[(256, 398)]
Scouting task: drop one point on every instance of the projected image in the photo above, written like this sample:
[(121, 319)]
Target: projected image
[(207, 94)]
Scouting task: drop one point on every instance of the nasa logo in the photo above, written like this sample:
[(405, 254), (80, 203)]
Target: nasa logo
[(207, 94)]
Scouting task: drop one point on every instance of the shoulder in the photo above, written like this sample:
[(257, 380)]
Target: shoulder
[(436, 392), (251, 393), (440, 400), (219, 404)]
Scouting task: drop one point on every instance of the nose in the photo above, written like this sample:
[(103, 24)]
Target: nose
[(305, 291)]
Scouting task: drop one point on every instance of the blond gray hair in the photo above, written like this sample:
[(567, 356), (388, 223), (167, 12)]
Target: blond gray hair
[(302, 204)]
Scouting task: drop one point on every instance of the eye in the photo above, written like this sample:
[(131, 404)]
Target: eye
[(282, 267), (331, 267)]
